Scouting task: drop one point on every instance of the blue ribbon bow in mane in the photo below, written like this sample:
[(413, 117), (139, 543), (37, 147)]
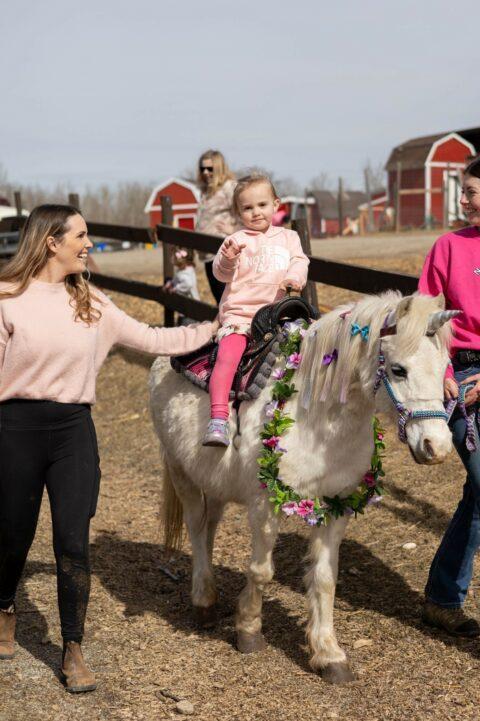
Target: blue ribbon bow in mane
[(363, 331)]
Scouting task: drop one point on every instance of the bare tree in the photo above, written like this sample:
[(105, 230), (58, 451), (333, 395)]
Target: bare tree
[(321, 181), (376, 175)]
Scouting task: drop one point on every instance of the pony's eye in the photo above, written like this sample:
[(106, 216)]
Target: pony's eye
[(399, 371)]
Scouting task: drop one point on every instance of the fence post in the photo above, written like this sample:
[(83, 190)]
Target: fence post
[(74, 200), (167, 219), (309, 293), (340, 206), (18, 202)]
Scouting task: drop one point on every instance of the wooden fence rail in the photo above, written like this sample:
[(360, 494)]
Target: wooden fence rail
[(340, 275)]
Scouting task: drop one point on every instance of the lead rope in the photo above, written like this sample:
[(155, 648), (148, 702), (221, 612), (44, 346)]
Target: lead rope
[(469, 414)]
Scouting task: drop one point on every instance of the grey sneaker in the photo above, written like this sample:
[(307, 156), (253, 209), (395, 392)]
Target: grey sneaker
[(217, 433), (452, 620)]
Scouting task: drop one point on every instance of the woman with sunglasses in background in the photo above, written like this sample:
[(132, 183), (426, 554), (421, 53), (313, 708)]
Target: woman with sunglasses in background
[(215, 214)]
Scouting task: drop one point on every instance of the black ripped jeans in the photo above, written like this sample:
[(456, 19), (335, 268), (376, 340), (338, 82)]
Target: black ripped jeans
[(45, 443)]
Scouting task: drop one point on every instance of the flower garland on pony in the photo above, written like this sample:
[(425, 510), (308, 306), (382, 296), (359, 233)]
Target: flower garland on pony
[(314, 511)]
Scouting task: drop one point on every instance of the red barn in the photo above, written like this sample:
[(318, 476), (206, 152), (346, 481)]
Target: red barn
[(426, 172), (185, 198)]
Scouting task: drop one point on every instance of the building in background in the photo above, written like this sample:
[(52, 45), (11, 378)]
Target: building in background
[(185, 198), (424, 177)]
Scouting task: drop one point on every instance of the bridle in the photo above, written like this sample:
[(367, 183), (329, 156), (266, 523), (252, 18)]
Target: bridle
[(405, 415)]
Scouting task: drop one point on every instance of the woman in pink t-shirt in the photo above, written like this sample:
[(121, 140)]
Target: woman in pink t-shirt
[(453, 268), (257, 263), (55, 333)]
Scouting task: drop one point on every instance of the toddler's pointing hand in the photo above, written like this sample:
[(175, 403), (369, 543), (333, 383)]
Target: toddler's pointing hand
[(230, 248)]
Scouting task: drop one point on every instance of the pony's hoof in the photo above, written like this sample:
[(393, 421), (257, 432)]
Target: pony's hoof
[(250, 642), (339, 672), (205, 616)]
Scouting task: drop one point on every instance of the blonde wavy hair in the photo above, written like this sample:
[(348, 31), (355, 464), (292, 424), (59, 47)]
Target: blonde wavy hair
[(32, 255), (221, 172)]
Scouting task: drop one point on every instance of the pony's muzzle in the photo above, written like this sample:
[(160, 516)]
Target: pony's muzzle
[(430, 451)]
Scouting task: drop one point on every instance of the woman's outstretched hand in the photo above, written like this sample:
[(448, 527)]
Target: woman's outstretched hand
[(230, 248)]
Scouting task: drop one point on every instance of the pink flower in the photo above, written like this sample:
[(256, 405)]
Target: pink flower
[(271, 442), (294, 360), (369, 479), (290, 508), (380, 436), (305, 507), (263, 485), (278, 374)]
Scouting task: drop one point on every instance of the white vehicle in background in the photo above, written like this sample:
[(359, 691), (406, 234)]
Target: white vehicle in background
[(9, 234)]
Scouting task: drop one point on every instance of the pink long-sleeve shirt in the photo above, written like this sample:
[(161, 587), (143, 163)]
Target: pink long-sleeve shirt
[(46, 355), (253, 278), (452, 267)]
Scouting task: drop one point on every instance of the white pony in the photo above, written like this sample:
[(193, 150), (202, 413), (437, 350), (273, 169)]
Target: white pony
[(329, 450)]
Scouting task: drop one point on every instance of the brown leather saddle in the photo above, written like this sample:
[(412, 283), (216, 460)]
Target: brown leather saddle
[(257, 362)]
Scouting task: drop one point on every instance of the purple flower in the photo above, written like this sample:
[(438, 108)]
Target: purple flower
[(278, 374), (271, 442), (349, 511), (290, 508), (294, 360), (270, 409), (312, 520), (369, 480), (263, 485), (305, 507), (374, 500)]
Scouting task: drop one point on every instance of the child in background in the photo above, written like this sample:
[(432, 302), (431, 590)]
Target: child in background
[(184, 280), (257, 263)]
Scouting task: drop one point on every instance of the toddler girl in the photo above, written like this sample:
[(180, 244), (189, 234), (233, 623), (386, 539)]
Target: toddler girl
[(257, 263), (184, 280)]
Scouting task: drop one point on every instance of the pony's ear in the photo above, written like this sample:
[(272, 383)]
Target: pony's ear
[(403, 307), (440, 301)]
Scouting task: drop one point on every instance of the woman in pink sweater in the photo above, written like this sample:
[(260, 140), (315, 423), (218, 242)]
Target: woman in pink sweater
[(55, 333), (453, 268), (257, 263)]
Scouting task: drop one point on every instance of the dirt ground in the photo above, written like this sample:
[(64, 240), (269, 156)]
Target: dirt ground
[(142, 642)]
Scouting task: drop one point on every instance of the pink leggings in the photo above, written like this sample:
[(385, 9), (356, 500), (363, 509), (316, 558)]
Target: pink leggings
[(230, 351)]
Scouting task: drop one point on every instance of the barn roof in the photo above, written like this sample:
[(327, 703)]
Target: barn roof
[(327, 203), (413, 153)]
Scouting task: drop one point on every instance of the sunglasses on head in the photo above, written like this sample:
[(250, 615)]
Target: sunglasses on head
[(206, 168)]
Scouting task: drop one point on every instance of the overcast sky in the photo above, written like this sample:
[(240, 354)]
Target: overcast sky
[(111, 90)]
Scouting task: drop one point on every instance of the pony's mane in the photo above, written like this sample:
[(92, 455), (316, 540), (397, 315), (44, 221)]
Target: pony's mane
[(333, 332)]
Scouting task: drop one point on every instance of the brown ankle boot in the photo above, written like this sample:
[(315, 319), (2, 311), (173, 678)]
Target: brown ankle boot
[(76, 676), (7, 633)]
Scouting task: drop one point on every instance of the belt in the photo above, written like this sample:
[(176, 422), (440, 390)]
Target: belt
[(468, 356)]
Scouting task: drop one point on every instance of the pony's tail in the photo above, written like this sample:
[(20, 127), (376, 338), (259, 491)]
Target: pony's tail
[(172, 515)]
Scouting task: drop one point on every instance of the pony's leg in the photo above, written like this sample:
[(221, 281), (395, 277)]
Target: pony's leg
[(328, 658), (201, 516), (264, 526), (206, 617)]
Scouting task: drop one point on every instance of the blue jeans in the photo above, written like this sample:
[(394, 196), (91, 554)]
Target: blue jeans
[(452, 567)]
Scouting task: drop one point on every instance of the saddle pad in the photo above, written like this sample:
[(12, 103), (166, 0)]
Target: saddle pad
[(250, 379)]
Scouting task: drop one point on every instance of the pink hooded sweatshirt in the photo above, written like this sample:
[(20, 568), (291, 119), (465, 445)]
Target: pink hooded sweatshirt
[(253, 278), (452, 267)]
